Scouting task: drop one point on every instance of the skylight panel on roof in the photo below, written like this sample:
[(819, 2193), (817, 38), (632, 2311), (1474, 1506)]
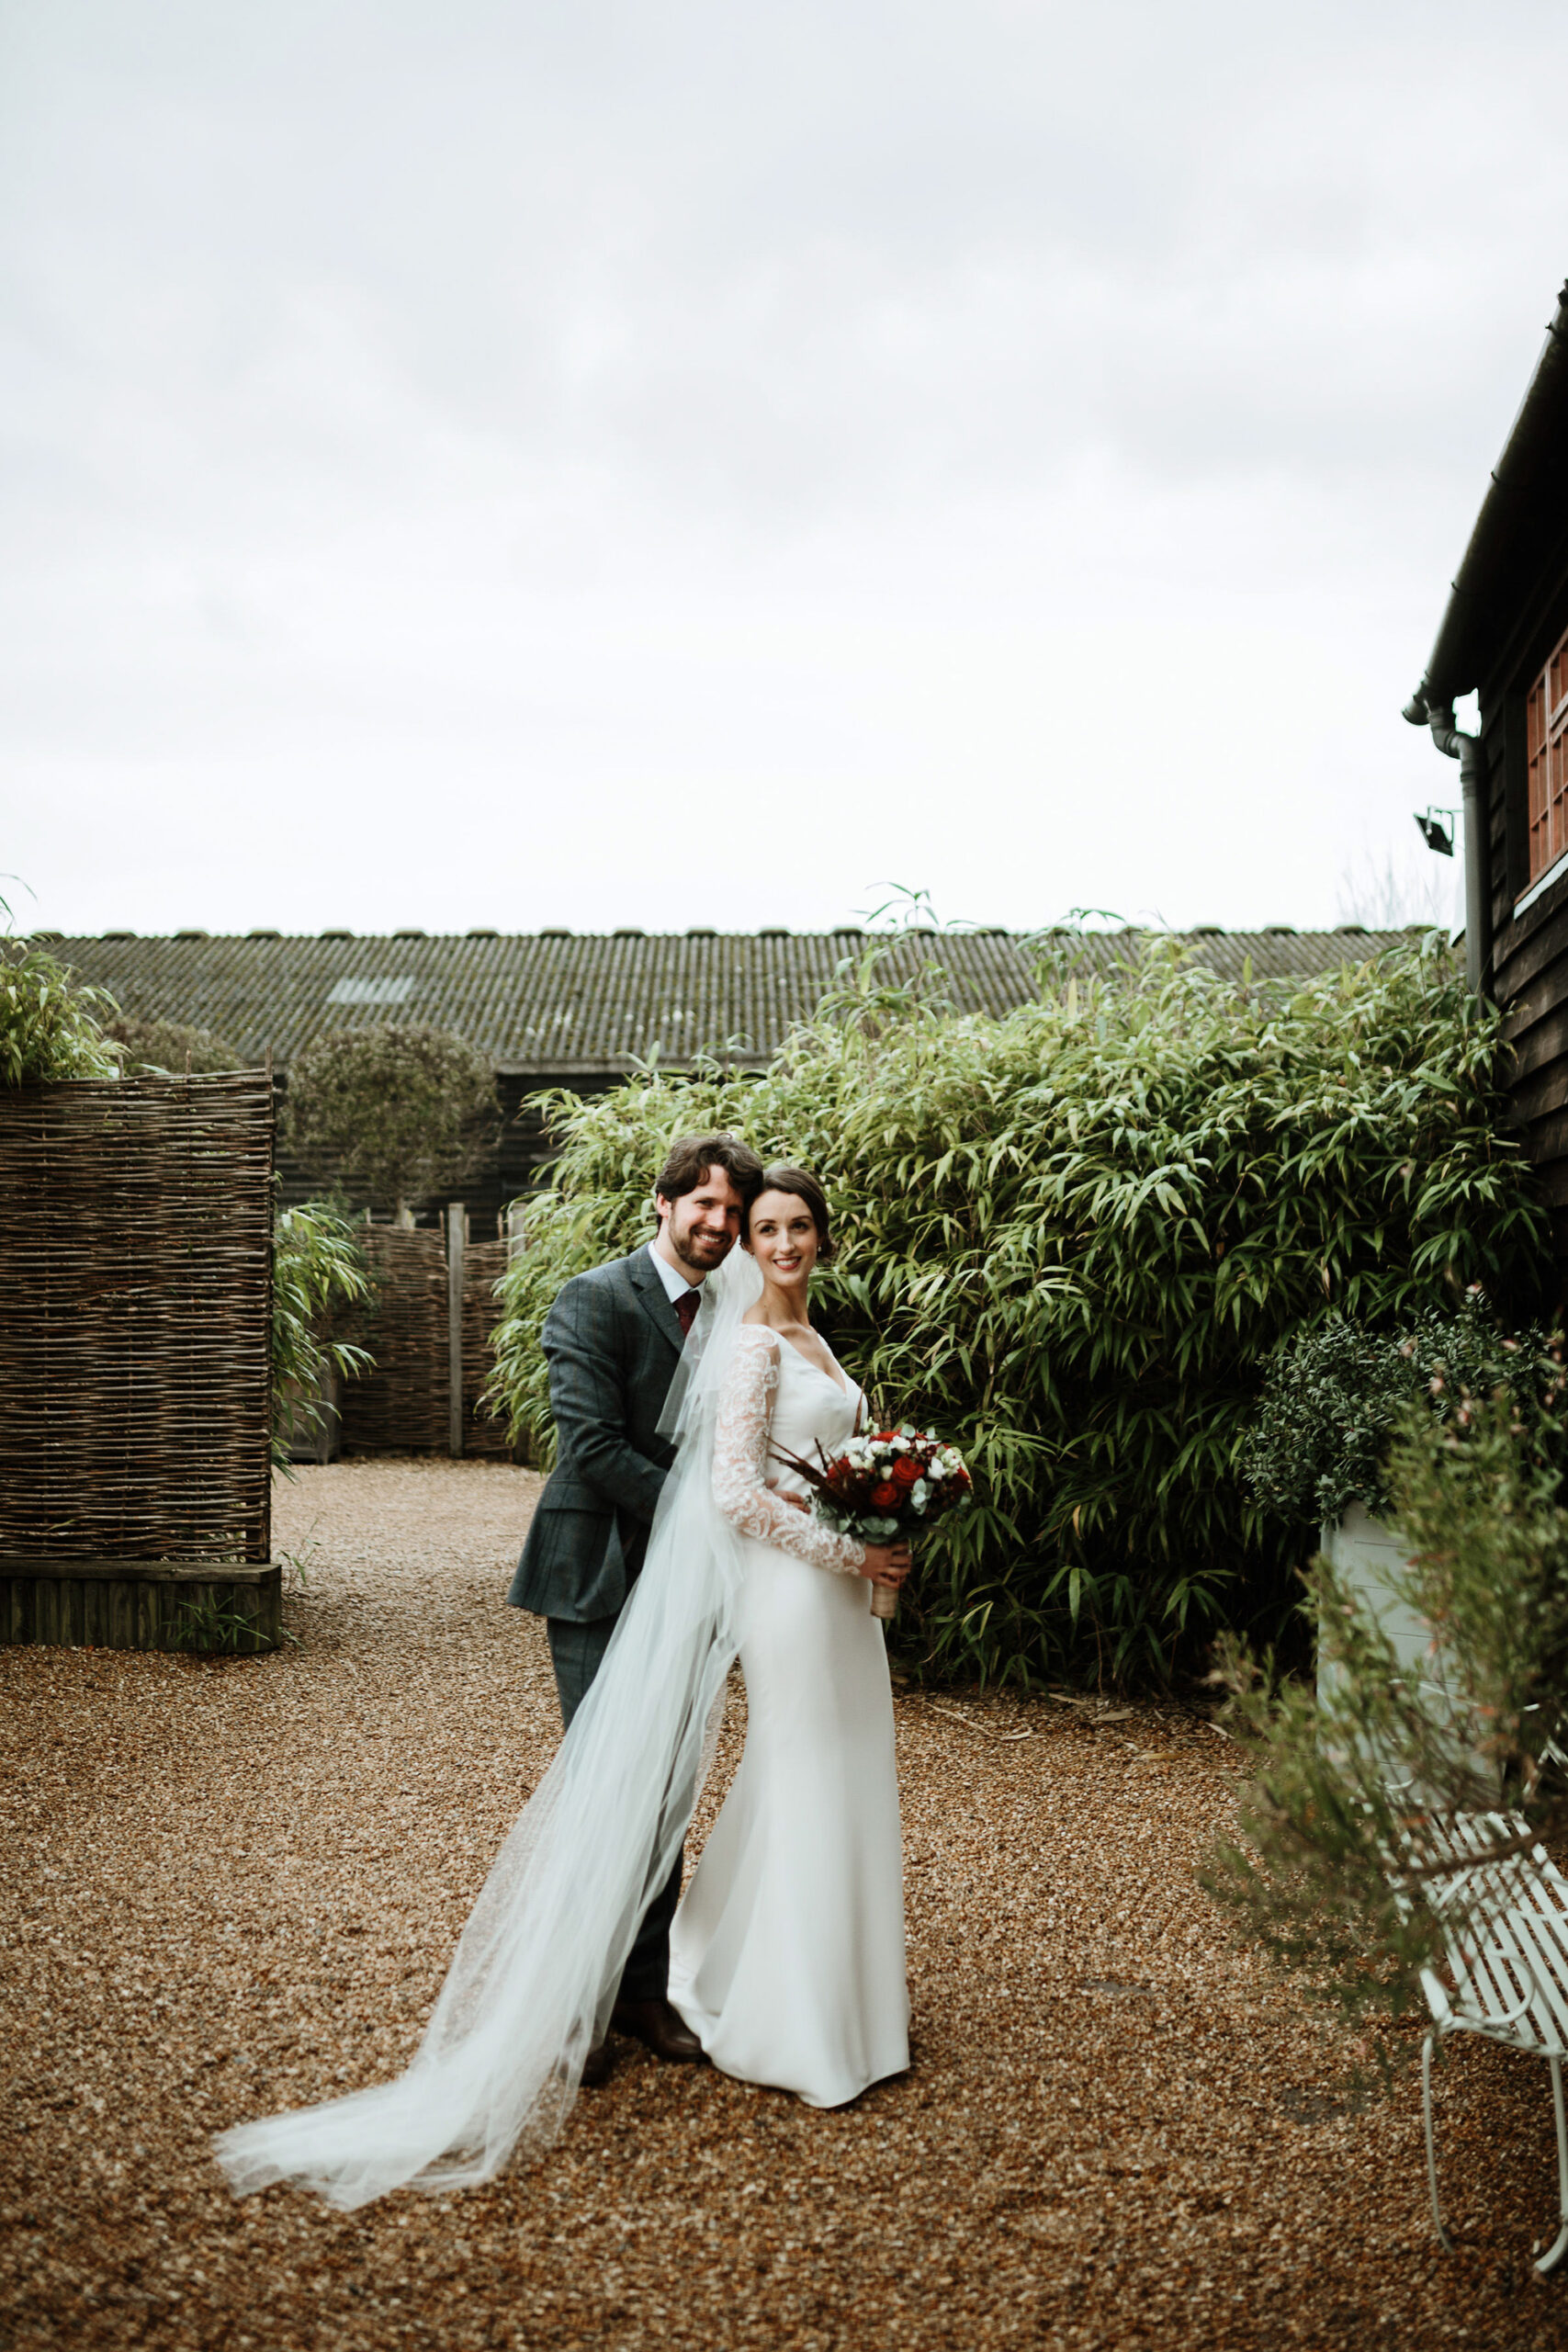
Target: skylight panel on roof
[(358, 991)]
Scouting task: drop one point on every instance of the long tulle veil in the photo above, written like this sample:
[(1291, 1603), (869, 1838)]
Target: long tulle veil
[(535, 1974)]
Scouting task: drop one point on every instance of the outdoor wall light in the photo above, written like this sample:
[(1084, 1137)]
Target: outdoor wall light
[(1436, 835)]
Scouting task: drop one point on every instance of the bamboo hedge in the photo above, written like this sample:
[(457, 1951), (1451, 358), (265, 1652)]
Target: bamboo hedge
[(319, 1273), (1072, 1238)]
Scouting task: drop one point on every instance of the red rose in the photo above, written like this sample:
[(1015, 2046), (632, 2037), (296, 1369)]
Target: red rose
[(885, 1498), (905, 1471)]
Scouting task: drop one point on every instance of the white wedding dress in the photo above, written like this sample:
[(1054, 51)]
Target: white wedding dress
[(787, 1952), (790, 1946)]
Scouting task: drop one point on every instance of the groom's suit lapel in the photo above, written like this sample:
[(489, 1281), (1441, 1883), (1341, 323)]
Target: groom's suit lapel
[(654, 1299)]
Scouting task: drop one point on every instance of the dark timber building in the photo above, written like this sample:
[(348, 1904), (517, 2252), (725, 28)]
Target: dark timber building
[(1505, 637), (552, 1009)]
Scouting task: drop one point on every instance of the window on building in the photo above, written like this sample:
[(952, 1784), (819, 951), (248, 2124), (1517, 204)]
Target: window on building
[(1546, 742)]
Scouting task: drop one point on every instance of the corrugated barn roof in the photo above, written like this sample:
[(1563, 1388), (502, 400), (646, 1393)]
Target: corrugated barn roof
[(554, 1003)]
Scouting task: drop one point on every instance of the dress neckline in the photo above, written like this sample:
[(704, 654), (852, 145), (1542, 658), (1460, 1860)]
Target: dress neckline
[(841, 1380)]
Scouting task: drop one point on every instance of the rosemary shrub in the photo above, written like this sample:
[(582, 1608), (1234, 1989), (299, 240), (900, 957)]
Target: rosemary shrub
[(1334, 1392), (1071, 1238)]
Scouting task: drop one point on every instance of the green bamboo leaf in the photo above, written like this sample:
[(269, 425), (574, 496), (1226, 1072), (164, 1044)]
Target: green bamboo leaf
[(1027, 1211)]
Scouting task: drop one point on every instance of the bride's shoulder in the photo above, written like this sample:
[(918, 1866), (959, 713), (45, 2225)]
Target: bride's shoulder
[(753, 1367)]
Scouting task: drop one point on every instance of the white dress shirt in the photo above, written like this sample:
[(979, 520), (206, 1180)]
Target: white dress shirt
[(676, 1284)]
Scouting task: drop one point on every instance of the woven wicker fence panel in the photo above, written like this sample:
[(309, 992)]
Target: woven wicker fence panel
[(135, 1318), (484, 1262), (401, 1408)]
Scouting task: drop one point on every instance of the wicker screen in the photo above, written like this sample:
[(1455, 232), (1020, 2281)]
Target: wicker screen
[(402, 1406), (135, 1318)]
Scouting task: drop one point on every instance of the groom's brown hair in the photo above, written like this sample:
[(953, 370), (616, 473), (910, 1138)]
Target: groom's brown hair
[(690, 1157)]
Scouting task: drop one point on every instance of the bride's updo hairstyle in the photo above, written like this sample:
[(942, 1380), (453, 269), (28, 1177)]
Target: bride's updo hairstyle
[(786, 1177)]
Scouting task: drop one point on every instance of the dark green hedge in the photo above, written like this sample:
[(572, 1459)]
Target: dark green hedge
[(1072, 1238)]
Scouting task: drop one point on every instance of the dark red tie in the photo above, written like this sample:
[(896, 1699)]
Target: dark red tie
[(686, 1307)]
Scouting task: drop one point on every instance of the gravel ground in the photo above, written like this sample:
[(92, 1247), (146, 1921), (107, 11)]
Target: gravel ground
[(235, 1884)]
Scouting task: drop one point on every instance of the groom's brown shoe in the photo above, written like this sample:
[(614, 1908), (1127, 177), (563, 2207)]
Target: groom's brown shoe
[(598, 2066), (656, 2026)]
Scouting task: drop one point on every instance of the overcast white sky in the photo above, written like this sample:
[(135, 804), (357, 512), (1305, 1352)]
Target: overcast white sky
[(620, 462)]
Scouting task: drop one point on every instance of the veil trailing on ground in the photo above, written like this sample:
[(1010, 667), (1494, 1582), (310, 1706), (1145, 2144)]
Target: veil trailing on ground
[(534, 1975)]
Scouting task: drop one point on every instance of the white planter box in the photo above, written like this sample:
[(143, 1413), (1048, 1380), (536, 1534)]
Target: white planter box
[(1367, 1555)]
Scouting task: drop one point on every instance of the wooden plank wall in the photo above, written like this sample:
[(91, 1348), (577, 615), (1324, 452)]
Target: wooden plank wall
[(1530, 976), (130, 1605), (1530, 952)]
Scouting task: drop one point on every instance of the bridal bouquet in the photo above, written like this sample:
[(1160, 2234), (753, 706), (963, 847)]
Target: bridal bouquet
[(886, 1483)]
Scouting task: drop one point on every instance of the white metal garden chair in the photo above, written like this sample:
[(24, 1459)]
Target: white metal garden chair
[(1506, 1939), (1504, 1918)]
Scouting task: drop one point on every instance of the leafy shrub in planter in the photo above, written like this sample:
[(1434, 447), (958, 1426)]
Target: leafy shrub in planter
[(1072, 1239), (1342, 1773), (1333, 1393)]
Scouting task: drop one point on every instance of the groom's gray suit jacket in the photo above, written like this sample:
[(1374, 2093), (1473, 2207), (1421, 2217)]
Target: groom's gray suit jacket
[(614, 1341)]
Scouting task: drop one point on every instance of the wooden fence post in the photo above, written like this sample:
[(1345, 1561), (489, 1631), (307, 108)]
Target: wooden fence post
[(457, 1234)]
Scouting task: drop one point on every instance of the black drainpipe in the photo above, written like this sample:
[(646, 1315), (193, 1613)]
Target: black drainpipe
[(1455, 744)]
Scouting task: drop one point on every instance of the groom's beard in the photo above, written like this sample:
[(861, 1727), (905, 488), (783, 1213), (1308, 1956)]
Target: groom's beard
[(701, 1253)]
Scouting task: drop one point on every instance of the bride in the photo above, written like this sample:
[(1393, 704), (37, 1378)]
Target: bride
[(786, 1957), (787, 1953)]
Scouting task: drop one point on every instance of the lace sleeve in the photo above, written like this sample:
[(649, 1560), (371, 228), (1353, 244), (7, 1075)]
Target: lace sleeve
[(740, 1465)]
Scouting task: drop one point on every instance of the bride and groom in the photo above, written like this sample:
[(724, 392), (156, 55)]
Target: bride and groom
[(670, 1539)]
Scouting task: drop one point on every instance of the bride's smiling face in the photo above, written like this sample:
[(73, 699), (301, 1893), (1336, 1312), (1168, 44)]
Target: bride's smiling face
[(781, 1237)]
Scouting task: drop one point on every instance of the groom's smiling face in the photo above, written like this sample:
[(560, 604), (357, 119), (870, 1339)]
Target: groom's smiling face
[(700, 1228)]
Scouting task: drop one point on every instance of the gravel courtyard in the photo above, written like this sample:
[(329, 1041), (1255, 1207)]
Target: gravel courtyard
[(232, 1885)]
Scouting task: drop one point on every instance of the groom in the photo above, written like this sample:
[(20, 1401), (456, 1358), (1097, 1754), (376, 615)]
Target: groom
[(613, 1339)]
